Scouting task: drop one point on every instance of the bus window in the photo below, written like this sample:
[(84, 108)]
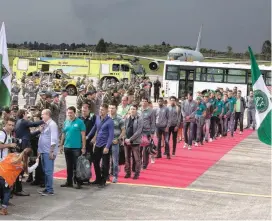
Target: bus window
[(115, 67), (124, 67), (215, 75), (236, 76), (182, 75), (172, 76)]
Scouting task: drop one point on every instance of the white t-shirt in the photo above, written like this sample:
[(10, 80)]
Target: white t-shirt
[(4, 152)]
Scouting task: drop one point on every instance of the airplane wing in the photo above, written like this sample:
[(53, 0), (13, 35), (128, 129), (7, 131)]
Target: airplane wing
[(141, 57)]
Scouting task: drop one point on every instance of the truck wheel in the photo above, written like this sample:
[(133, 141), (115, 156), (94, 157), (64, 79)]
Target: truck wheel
[(71, 90)]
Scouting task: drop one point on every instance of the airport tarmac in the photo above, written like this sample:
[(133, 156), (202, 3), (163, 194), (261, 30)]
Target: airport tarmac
[(237, 187)]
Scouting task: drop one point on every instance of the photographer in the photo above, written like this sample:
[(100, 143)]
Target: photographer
[(22, 131), (10, 168), (6, 138)]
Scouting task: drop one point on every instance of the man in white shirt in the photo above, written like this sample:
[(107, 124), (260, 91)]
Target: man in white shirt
[(6, 139)]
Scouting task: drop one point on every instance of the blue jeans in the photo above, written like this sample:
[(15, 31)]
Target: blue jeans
[(5, 192), (48, 168), (115, 159)]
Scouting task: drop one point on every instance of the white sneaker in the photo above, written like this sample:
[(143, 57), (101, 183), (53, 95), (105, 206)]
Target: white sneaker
[(241, 132), (220, 135), (189, 147), (152, 159), (185, 145), (196, 144), (210, 140)]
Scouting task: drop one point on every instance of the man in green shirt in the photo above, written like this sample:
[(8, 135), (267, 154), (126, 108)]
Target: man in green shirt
[(232, 107), (73, 142), (226, 115), (200, 113), (216, 118)]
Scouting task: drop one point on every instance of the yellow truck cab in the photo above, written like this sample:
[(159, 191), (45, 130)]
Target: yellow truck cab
[(100, 69)]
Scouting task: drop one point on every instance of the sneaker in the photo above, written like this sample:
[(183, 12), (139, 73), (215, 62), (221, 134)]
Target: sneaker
[(66, 185), (253, 128), (189, 147), (95, 182), (114, 180), (101, 185), (241, 133), (185, 145), (127, 175), (41, 191), (210, 140), (136, 176), (196, 144), (220, 135), (173, 154), (78, 186), (47, 194)]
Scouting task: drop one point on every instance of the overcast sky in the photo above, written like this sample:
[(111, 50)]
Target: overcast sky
[(237, 23)]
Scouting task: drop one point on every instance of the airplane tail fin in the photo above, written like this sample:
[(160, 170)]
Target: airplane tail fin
[(199, 39)]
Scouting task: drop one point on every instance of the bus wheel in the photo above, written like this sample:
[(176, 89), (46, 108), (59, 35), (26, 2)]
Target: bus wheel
[(71, 90)]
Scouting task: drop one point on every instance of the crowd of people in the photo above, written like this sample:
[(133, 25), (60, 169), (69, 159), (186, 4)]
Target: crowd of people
[(106, 119)]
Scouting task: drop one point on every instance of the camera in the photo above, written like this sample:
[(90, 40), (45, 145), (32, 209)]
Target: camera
[(18, 145)]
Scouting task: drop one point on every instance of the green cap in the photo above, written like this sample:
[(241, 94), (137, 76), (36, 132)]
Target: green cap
[(199, 98), (206, 95)]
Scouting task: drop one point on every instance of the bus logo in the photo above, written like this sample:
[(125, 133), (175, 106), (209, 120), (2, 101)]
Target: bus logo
[(261, 101)]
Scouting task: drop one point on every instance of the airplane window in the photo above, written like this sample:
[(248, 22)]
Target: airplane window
[(115, 67)]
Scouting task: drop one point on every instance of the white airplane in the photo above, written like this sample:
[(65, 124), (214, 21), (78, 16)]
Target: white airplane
[(176, 54)]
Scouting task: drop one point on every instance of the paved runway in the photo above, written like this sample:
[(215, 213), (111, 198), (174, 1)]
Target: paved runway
[(237, 187)]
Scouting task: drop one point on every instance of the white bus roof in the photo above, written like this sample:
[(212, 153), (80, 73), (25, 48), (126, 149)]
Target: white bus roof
[(216, 65)]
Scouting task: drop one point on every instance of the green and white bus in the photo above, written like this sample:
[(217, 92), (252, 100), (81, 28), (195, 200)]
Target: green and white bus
[(180, 77)]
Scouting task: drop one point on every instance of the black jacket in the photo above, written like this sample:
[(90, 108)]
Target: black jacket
[(22, 130)]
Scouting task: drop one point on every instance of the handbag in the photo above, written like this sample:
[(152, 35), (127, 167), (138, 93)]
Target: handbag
[(122, 158), (145, 141)]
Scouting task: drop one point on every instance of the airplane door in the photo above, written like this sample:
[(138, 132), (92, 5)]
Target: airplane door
[(173, 87)]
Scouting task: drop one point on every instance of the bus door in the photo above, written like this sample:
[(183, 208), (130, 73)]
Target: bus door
[(186, 82)]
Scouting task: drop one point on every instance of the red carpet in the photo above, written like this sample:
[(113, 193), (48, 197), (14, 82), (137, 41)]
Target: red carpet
[(185, 167)]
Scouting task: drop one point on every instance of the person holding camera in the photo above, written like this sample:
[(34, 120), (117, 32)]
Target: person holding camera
[(11, 168), (6, 138)]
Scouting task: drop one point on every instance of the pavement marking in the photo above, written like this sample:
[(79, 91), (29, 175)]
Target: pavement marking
[(188, 189), (199, 190)]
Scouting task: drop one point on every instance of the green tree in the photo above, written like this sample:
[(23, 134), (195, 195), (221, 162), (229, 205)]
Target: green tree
[(229, 48), (266, 49), (101, 46)]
